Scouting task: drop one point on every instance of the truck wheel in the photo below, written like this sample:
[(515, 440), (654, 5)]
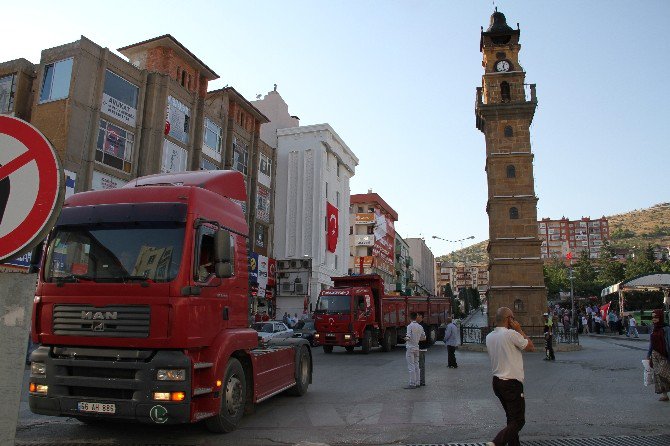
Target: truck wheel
[(328, 349), (349, 348), (387, 343), (432, 335), (233, 398), (304, 372), (367, 342)]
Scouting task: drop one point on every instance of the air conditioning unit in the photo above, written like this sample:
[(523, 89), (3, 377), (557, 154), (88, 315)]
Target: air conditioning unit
[(295, 263), (299, 288), (306, 263), (286, 287), (284, 264), (283, 275)]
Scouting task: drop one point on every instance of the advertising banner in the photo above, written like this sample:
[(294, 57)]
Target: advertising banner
[(177, 118), (365, 219), (253, 268), (365, 240), (119, 110), (384, 232), (70, 183), (263, 204), (368, 261), (174, 158), (262, 275), (102, 181)]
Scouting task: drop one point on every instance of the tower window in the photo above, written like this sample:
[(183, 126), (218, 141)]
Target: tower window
[(511, 171), (504, 92), (513, 213), (518, 306), (183, 78), (508, 131)]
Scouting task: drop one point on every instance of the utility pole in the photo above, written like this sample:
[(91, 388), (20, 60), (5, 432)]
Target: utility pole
[(572, 292)]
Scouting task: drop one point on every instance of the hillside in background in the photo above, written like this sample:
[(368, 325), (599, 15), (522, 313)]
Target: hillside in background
[(638, 228)]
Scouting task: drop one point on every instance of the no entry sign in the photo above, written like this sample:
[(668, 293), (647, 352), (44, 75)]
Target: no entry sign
[(31, 187)]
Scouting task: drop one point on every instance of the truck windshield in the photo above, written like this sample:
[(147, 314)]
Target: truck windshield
[(333, 304), (120, 252)]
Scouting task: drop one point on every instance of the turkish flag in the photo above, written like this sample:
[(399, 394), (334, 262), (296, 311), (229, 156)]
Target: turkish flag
[(331, 236), (604, 310), (568, 256)]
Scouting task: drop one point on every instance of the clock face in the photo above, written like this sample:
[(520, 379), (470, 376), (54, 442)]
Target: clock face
[(502, 66)]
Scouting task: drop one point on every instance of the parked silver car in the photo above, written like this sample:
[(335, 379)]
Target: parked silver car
[(272, 330)]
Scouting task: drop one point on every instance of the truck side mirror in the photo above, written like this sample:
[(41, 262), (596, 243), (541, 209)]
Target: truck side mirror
[(223, 267)]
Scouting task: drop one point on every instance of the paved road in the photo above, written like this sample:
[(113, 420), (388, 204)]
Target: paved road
[(358, 399)]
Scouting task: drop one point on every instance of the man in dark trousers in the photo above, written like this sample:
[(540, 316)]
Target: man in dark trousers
[(505, 344), (451, 341), (548, 340)]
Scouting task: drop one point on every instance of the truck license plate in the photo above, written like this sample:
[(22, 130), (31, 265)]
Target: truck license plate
[(96, 407)]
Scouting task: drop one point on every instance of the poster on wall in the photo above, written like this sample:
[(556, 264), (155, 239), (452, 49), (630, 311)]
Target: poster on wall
[(174, 158), (262, 275), (333, 228), (177, 120), (70, 183), (384, 233), (102, 181), (119, 99), (263, 204)]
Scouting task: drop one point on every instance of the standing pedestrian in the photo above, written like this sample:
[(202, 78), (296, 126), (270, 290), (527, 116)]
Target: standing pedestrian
[(505, 344), (414, 334), (423, 348), (585, 324), (548, 341), (451, 341), (659, 347), (632, 326)]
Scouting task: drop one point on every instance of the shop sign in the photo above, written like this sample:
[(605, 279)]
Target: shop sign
[(262, 275), (367, 261), (117, 109), (253, 267), (365, 240), (365, 219), (102, 181)]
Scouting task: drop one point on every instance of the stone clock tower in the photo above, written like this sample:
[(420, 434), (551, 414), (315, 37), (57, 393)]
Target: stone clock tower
[(504, 110)]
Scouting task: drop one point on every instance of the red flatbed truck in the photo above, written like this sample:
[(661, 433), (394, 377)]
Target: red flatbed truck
[(356, 312), (141, 308)]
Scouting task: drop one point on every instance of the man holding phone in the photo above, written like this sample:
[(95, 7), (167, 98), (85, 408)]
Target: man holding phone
[(505, 344)]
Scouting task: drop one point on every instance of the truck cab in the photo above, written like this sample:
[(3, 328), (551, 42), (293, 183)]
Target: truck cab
[(141, 308), (343, 317)]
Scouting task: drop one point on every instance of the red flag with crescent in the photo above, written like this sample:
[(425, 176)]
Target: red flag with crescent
[(331, 237)]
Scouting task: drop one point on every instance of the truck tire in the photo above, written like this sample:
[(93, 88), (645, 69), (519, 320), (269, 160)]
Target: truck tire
[(387, 343), (328, 349), (366, 343), (349, 348), (233, 399), (304, 372)]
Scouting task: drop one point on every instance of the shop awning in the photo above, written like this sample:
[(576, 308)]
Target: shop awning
[(649, 282)]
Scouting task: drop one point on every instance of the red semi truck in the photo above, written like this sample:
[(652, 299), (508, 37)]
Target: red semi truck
[(141, 308), (356, 312)]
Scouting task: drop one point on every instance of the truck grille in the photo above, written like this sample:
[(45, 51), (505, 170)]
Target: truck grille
[(87, 320)]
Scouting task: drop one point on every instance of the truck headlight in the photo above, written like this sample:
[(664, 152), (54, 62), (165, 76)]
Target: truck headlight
[(38, 368), (347, 337), (171, 375), (316, 335)]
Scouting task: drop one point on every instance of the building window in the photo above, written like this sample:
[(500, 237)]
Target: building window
[(119, 98), (511, 171), (518, 306), (183, 78), (240, 156), (337, 199), (174, 158), (505, 92), (360, 210), (263, 204), (508, 131), (56, 81), (370, 229), (7, 91), (114, 147), (178, 118), (207, 165), (266, 165), (513, 213), (351, 230), (212, 140)]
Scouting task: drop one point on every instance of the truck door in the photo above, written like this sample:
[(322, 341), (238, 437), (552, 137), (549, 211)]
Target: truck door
[(361, 309), (211, 302)]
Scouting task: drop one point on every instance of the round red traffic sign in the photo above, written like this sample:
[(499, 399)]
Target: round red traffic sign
[(31, 187)]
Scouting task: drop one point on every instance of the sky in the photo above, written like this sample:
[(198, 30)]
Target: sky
[(397, 79)]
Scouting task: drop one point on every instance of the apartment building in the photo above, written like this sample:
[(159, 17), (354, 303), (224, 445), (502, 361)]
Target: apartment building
[(372, 238), (423, 266), (403, 266), (113, 118), (560, 237), (459, 276)]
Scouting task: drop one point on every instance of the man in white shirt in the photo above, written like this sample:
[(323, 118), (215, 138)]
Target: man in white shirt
[(414, 334), (632, 327), (505, 344)]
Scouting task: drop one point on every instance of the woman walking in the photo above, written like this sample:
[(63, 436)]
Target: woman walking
[(659, 345)]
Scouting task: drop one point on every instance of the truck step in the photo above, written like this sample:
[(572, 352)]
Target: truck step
[(202, 365), (202, 391)]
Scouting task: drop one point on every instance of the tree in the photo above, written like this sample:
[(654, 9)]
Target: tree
[(474, 298), (585, 276), (456, 307), (556, 277), (611, 271), (447, 291), (641, 264)]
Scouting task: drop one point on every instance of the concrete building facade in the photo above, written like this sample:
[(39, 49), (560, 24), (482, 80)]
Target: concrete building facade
[(314, 166), (403, 266), (559, 237), (372, 238), (423, 266), (504, 112)]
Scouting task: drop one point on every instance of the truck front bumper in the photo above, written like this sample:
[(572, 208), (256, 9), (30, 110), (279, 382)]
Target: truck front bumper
[(82, 380), (338, 339)]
